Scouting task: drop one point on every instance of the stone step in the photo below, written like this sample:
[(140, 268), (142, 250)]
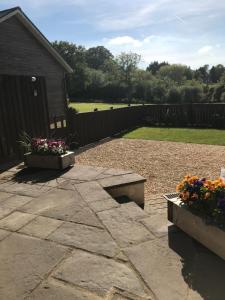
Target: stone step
[(130, 185)]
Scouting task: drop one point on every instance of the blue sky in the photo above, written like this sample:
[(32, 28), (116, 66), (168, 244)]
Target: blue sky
[(178, 31)]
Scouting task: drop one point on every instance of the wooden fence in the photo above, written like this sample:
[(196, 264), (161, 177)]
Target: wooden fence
[(86, 128), (93, 126), (186, 115)]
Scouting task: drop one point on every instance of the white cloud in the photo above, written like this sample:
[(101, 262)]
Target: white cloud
[(124, 40), (167, 48), (205, 50)]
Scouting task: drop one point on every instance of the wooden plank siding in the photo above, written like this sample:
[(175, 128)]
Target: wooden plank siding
[(22, 54), (21, 110)]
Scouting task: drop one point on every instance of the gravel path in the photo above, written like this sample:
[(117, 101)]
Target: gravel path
[(163, 164)]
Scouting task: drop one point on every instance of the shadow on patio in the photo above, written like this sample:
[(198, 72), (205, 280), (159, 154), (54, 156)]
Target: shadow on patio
[(202, 270)]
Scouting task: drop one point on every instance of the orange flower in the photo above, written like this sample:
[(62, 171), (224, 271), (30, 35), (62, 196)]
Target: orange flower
[(179, 187), (192, 179)]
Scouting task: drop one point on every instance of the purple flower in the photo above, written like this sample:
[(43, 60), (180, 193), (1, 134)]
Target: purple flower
[(198, 182), (221, 203)]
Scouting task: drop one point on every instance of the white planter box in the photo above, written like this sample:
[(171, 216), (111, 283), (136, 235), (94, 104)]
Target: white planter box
[(49, 161), (210, 236)]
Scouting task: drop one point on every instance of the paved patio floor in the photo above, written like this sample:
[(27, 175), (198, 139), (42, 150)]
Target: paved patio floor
[(62, 236)]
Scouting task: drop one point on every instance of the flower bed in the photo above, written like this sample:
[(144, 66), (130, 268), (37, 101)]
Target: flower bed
[(205, 198), (199, 210), (48, 147), (48, 154)]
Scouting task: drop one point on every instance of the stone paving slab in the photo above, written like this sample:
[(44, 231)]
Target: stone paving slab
[(5, 211), (161, 268), (98, 274), (15, 201), (53, 182), (4, 196), (112, 172), (41, 227), (130, 211), (24, 189), (102, 205), (123, 225), (35, 175), (92, 191), (121, 256), (4, 234), (86, 237), (24, 261), (176, 267), (117, 172), (16, 220), (74, 241), (157, 224), (118, 294), (69, 184), (83, 173), (56, 290), (64, 205), (121, 180)]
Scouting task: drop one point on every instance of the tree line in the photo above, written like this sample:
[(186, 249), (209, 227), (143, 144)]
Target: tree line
[(98, 75)]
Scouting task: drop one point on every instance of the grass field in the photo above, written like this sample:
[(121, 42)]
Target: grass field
[(185, 135), (86, 107)]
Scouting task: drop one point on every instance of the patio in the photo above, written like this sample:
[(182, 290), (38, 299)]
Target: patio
[(63, 236)]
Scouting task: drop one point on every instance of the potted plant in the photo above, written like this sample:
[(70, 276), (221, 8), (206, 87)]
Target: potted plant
[(48, 153), (199, 210)]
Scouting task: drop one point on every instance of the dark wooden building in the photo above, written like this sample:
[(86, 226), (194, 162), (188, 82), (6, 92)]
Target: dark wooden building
[(32, 85)]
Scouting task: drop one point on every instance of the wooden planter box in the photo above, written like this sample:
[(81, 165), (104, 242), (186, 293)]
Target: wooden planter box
[(210, 236), (49, 161)]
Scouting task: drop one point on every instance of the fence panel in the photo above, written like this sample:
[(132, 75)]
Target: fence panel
[(93, 126)]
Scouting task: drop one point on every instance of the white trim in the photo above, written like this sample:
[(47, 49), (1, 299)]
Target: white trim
[(38, 35), (9, 15)]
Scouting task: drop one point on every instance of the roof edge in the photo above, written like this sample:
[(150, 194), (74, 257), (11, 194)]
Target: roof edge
[(38, 35)]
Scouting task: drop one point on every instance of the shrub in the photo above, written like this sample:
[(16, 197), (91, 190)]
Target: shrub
[(191, 94), (174, 96)]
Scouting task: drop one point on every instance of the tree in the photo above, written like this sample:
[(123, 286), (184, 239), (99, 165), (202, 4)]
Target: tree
[(177, 73), (75, 56), (216, 73), (96, 57), (202, 74), (191, 94), (155, 66), (174, 95), (128, 63), (72, 53)]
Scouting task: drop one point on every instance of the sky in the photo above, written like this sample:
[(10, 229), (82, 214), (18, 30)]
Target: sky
[(190, 32)]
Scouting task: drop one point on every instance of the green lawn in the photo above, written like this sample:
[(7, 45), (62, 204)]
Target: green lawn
[(86, 107), (185, 135)]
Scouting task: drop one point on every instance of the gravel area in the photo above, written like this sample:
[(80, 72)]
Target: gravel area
[(163, 164)]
